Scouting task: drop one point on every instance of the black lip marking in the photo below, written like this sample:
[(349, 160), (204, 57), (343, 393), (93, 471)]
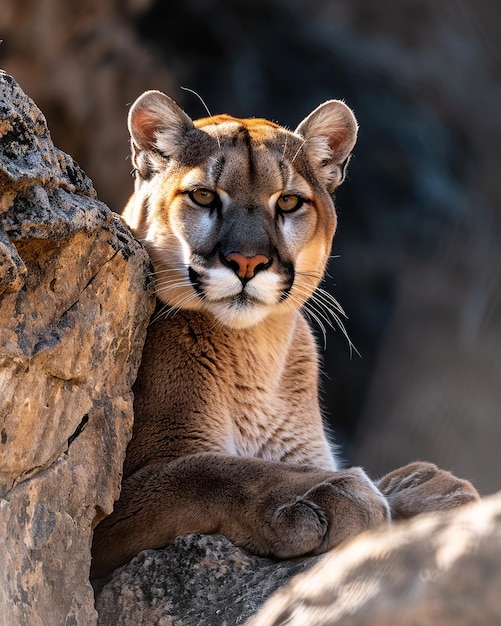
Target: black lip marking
[(196, 281), (291, 277), (285, 293)]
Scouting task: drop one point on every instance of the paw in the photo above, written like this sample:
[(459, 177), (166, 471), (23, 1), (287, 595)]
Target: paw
[(338, 508), (299, 528), (423, 487)]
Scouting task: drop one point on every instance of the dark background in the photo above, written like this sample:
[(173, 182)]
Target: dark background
[(416, 260)]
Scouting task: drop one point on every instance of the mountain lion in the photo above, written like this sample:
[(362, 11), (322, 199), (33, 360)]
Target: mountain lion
[(238, 218)]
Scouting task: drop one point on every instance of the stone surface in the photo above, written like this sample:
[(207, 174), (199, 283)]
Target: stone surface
[(198, 579), (74, 305), (436, 569)]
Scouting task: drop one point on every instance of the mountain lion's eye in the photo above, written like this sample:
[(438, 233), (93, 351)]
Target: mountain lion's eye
[(204, 197), (289, 203)]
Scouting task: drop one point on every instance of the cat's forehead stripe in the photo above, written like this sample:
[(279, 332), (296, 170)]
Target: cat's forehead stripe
[(223, 126), (216, 169)]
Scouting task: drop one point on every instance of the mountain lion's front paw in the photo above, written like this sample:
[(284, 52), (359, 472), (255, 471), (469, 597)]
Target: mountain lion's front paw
[(423, 487), (341, 506)]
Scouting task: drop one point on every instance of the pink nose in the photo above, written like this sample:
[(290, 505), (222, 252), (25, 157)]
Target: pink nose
[(245, 267)]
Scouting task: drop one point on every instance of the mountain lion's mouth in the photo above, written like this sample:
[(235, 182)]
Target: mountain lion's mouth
[(239, 299)]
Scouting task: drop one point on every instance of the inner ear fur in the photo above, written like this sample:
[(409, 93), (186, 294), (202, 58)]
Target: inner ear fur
[(157, 123), (330, 134)]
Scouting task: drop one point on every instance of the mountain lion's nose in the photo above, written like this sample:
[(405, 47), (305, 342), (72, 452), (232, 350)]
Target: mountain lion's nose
[(246, 267)]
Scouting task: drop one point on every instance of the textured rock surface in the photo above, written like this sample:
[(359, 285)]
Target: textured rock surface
[(73, 312), (198, 579), (438, 569)]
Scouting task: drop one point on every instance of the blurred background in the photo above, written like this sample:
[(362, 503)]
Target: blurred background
[(417, 258)]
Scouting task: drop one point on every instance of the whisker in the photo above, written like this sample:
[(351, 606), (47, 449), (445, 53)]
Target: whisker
[(170, 272), (158, 314), (172, 279), (316, 275), (312, 314), (172, 309), (321, 310), (298, 151), (329, 299), (173, 269), (327, 274), (206, 108), (326, 297), (169, 287), (321, 304), (285, 146)]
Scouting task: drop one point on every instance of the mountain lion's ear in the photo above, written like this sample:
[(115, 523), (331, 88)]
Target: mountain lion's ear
[(330, 133), (156, 124)]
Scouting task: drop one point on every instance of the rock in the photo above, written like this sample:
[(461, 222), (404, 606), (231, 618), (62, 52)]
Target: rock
[(198, 579), (436, 569), (74, 305)]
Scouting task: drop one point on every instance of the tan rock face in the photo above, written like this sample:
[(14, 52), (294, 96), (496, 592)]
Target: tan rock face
[(74, 305)]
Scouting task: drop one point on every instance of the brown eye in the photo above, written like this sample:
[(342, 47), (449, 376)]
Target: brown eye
[(288, 203), (204, 197)]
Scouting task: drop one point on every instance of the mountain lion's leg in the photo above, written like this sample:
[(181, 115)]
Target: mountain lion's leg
[(423, 487), (270, 508)]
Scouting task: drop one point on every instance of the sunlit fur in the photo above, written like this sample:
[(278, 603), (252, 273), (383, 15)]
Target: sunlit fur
[(228, 434), (278, 162)]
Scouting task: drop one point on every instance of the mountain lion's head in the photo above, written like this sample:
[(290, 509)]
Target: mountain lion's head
[(236, 214)]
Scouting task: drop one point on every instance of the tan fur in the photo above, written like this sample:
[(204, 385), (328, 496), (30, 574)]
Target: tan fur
[(228, 434)]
